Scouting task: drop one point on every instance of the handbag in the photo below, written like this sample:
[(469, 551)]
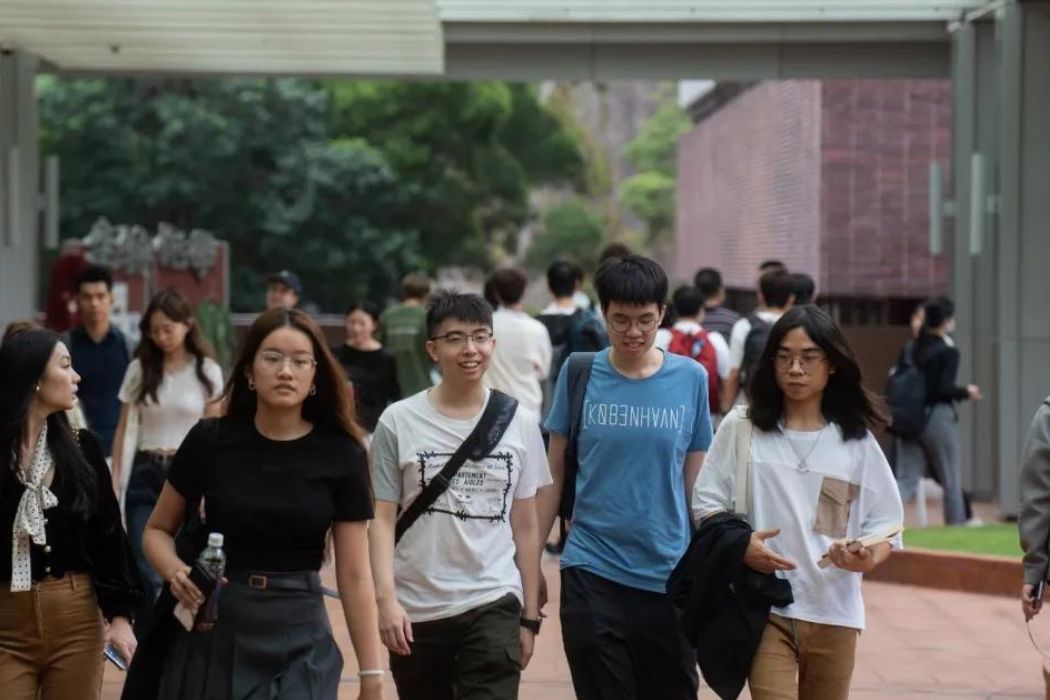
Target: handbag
[(495, 420)]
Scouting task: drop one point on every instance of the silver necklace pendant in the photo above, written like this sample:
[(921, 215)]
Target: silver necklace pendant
[(802, 467)]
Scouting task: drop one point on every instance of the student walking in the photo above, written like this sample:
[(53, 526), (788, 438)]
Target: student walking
[(937, 445), (816, 480), (717, 318), (626, 444), (776, 294), (281, 470), (521, 357), (100, 354), (457, 575), (283, 290), (371, 368), (691, 339), (67, 580), (171, 384), (403, 330)]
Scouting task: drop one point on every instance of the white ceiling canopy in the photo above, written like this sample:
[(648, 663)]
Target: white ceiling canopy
[(704, 10), (272, 37)]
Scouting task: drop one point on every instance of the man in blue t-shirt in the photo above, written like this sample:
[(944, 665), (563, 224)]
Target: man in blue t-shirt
[(644, 430)]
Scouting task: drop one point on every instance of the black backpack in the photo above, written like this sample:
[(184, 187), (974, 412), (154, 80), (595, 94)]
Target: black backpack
[(906, 396), (754, 345)]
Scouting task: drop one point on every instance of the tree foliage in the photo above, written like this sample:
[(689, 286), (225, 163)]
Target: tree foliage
[(650, 193), (570, 231), (349, 183)]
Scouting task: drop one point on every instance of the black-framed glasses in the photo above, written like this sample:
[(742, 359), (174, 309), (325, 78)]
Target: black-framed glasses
[(808, 361), (458, 339), (622, 324)]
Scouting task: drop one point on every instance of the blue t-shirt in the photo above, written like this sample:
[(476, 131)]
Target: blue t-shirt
[(631, 523)]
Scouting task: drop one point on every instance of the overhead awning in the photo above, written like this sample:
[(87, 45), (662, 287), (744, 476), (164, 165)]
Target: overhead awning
[(728, 11), (272, 37)]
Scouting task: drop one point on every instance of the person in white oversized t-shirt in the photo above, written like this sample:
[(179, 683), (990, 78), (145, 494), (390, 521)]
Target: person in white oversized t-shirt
[(521, 359), (171, 384), (458, 595), (817, 480)]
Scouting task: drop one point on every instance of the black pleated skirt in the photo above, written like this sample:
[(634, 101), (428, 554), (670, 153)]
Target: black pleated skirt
[(266, 645)]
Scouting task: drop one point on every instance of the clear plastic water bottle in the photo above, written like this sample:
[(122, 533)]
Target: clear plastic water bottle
[(213, 561)]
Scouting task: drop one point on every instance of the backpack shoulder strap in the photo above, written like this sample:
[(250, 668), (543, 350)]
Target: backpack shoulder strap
[(744, 428), (580, 364), (482, 440)]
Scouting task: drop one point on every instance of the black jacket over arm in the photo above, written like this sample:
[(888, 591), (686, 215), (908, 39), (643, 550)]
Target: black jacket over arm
[(722, 605)]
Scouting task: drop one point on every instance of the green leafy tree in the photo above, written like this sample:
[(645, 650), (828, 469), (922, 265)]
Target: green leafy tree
[(570, 231), (650, 193)]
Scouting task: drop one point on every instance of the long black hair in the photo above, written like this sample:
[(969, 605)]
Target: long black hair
[(175, 306), (845, 400), (23, 360)]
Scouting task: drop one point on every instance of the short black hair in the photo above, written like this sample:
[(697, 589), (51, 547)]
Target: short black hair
[(614, 250), (508, 285), (805, 288), (369, 307), (938, 310), (771, 266), (687, 301), (634, 280), (93, 274), (415, 285), (450, 304), (709, 281), (777, 288), (561, 278)]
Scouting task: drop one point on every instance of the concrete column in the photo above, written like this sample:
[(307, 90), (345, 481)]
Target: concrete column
[(1023, 300), (19, 187), (975, 132)]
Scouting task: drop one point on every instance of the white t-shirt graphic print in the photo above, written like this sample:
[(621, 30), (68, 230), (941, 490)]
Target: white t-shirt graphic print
[(459, 555)]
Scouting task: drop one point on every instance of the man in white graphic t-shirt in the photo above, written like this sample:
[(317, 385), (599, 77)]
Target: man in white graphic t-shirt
[(458, 594)]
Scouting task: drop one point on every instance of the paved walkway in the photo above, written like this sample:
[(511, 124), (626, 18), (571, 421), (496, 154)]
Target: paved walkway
[(920, 644)]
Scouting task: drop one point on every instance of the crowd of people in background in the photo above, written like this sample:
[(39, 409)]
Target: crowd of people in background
[(462, 428)]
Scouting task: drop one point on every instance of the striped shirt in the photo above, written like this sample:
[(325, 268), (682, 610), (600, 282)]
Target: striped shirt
[(720, 320)]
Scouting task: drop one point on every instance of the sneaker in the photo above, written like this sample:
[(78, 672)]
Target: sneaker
[(974, 522)]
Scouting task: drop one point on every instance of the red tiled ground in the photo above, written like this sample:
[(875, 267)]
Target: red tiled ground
[(920, 644)]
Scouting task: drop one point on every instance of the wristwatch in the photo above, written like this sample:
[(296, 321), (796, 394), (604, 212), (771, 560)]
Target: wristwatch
[(531, 625)]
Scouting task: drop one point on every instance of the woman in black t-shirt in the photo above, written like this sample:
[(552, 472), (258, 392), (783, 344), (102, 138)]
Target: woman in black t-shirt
[(371, 369), (283, 468), (64, 556)]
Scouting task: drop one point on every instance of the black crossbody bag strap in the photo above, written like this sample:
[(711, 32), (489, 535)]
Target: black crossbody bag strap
[(482, 440)]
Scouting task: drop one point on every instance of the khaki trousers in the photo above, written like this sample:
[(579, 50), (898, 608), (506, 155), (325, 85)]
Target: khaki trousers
[(51, 641), (799, 660)]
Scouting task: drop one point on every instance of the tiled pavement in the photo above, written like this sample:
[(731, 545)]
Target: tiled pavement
[(920, 644)]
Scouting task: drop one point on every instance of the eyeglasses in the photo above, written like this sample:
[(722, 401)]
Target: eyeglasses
[(622, 324), (274, 361), (456, 339), (807, 361)]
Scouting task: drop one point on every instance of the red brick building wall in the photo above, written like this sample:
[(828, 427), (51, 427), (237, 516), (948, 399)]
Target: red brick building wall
[(749, 184), (829, 177), (877, 141)]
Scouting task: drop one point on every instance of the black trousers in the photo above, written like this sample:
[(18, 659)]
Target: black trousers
[(623, 643), (475, 655)]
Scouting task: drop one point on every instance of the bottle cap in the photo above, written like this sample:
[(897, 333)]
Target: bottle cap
[(215, 539)]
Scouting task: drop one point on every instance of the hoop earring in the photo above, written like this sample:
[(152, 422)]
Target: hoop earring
[(313, 390), (251, 385)]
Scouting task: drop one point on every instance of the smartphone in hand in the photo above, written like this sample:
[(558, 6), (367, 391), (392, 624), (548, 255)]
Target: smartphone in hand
[(1037, 595), (113, 656)]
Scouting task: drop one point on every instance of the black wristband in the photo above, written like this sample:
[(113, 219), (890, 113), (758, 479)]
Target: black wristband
[(531, 625)]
